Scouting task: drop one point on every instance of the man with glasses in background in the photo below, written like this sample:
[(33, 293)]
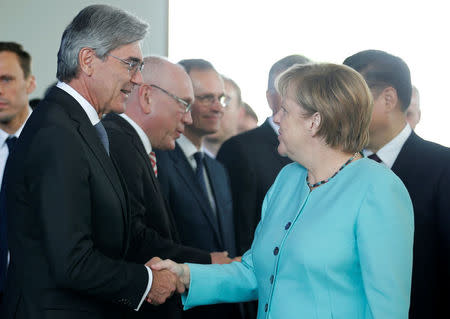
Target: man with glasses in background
[(156, 114), (195, 185), (71, 226)]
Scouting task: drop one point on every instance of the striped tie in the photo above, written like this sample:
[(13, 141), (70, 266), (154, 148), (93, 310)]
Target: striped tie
[(153, 161)]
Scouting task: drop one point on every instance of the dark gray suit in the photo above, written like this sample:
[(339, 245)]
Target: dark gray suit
[(155, 231), (70, 229)]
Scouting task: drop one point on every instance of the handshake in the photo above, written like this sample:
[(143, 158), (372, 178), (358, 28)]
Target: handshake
[(168, 276)]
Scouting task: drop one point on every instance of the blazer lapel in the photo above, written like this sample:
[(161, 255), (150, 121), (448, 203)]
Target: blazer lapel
[(135, 140), (89, 135), (187, 173)]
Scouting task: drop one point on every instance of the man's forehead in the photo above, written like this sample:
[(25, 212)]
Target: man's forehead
[(206, 80), (9, 62)]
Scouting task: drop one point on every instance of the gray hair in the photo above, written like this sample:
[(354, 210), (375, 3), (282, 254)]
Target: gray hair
[(100, 27)]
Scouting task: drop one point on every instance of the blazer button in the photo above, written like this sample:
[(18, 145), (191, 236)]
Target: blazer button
[(276, 250), (266, 307), (271, 279), (287, 226)]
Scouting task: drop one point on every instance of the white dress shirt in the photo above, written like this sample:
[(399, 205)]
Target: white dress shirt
[(389, 152), (93, 117), (189, 150)]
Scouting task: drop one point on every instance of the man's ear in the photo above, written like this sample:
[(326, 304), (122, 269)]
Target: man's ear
[(390, 98), (145, 98), (31, 85), (86, 58)]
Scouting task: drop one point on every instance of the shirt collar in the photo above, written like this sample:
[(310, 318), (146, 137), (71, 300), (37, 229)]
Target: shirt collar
[(274, 126), (140, 132), (188, 148), (4, 135), (389, 152), (87, 107)]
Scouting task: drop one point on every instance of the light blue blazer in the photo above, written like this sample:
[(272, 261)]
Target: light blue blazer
[(342, 251)]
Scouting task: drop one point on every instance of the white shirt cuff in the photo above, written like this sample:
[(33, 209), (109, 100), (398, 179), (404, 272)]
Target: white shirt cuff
[(149, 286)]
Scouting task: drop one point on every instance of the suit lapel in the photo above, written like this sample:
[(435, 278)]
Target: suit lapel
[(135, 140), (89, 135), (186, 172), (402, 164)]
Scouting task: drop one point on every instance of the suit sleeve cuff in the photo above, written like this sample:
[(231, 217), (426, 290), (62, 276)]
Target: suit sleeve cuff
[(147, 290)]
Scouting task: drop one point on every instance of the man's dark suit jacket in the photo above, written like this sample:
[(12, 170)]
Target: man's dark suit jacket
[(253, 163), (424, 168), (70, 226), (155, 231), (193, 215)]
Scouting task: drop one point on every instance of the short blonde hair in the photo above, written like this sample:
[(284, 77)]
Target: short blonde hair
[(339, 94)]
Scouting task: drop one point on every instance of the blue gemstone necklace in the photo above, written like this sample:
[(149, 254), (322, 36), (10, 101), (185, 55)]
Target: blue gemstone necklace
[(328, 179)]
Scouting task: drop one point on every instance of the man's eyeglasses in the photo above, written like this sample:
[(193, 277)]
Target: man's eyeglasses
[(133, 64), (186, 104), (210, 99)]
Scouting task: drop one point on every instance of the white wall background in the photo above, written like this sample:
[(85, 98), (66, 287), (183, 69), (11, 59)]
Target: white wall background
[(38, 25), (244, 38)]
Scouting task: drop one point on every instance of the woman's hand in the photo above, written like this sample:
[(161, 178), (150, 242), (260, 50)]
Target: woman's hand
[(181, 270)]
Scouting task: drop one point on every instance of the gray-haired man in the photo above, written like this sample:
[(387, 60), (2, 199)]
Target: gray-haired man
[(71, 227)]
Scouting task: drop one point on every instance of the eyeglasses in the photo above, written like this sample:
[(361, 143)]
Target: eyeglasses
[(133, 64), (186, 104), (209, 99)]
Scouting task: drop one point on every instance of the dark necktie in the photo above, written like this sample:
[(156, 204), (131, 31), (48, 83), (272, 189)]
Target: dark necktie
[(10, 142), (375, 157), (152, 156), (199, 174), (101, 132)]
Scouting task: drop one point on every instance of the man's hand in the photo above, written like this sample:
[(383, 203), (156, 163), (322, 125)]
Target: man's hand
[(164, 284), (220, 257), (181, 270)]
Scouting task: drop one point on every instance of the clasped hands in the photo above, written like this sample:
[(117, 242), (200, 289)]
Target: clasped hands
[(168, 276)]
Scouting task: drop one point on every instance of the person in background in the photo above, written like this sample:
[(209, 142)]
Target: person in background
[(248, 119), (16, 84), (156, 114), (195, 185), (335, 238), (230, 120)]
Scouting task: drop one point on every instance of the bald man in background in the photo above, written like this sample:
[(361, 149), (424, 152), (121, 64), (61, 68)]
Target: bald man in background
[(156, 114)]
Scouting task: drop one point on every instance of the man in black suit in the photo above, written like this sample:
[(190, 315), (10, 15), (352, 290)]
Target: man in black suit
[(16, 83), (424, 168), (195, 185), (253, 162), (155, 116), (70, 230)]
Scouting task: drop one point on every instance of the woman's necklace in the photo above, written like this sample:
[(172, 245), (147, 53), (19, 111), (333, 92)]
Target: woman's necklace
[(328, 179)]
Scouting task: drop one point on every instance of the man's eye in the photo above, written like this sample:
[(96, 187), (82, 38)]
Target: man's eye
[(6, 79)]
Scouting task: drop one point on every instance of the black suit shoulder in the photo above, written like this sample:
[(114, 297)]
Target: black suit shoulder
[(424, 168)]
